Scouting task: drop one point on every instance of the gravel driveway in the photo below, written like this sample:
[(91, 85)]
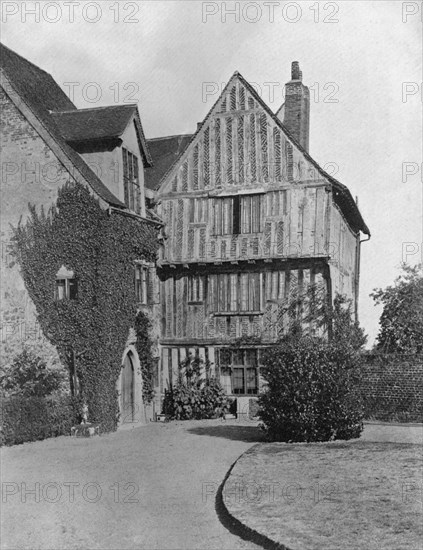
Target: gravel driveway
[(151, 487)]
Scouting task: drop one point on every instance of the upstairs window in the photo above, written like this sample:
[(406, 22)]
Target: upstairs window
[(195, 289), (141, 284), (66, 285), (235, 293), (131, 181), (238, 214)]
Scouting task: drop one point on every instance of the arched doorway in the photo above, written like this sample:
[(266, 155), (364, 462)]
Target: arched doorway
[(127, 389)]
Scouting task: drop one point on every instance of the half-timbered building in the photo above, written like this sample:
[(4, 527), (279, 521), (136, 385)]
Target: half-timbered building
[(251, 221)]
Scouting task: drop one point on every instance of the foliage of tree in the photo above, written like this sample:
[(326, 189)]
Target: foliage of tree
[(28, 376), (312, 383), (401, 322), (89, 332), (34, 418), (196, 395)]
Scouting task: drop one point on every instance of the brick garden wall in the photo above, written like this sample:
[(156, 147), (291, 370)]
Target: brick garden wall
[(392, 388)]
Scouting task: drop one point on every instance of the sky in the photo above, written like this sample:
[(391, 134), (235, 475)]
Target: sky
[(361, 60)]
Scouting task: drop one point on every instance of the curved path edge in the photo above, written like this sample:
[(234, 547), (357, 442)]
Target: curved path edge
[(235, 526)]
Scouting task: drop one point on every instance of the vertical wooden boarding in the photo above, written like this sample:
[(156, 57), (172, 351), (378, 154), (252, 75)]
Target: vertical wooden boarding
[(175, 365), (179, 230), (264, 148), (252, 149), (277, 156), (218, 154), (319, 246), (267, 238), (240, 144), (164, 371), (229, 151), (233, 98), (195, 168), (184, 183), (184, 306), (310, 218), (301, 194), (191, 248), (206, 157), (169, 307), (293, 226), (289, 161), (280, 239), (241, 97)]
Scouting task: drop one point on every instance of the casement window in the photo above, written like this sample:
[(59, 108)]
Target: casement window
[(273, 286), (251, 213), (141, 284), (276, 205), (66, 285), (198, 210), (237, 214), (234, 292), (66, 289), (244, 367), (195, 289), (131, 181)]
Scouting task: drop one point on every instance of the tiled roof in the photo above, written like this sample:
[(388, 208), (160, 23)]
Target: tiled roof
[(98, 123), (33, 84), (41, 94), (164, 151), (83, 125)]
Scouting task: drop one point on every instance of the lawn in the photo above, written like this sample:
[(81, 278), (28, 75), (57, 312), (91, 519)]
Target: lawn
[(350, 495)]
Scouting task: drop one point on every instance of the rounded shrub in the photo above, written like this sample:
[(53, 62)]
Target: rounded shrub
[(311, 391)]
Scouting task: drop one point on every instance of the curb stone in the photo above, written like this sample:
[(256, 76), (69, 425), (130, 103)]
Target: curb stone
[(233, 524)]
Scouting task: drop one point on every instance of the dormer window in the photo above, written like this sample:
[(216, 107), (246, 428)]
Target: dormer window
[(141, 283), (131, 181), (66, 285)]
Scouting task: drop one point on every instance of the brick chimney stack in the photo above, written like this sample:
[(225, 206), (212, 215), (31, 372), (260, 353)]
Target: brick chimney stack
[(296, 109)]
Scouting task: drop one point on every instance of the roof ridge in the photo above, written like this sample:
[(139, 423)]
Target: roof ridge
[(169, 137), (84, 110), (24, 59)]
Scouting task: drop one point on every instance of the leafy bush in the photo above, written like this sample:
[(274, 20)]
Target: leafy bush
[(312, 391), (194, 396), (34, 418), (28, 376)]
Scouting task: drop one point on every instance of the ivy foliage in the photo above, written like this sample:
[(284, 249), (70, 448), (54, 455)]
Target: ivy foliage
[(100, 247), (143, 346)]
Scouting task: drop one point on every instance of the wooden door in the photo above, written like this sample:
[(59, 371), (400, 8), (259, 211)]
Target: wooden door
[(127, 390)]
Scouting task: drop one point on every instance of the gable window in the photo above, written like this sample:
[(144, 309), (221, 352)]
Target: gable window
[(131, 181), (198, 210), (238, 214), (66, 285), (195, 289), (141, 284), (235, 293)]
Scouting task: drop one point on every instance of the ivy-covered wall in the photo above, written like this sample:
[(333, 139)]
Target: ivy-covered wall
[(89, 332)]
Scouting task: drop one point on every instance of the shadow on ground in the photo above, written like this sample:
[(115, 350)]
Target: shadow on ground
[(249, 434)]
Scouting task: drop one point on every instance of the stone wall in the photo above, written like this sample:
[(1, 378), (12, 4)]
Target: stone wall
[(30, 173), (392, 388)]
